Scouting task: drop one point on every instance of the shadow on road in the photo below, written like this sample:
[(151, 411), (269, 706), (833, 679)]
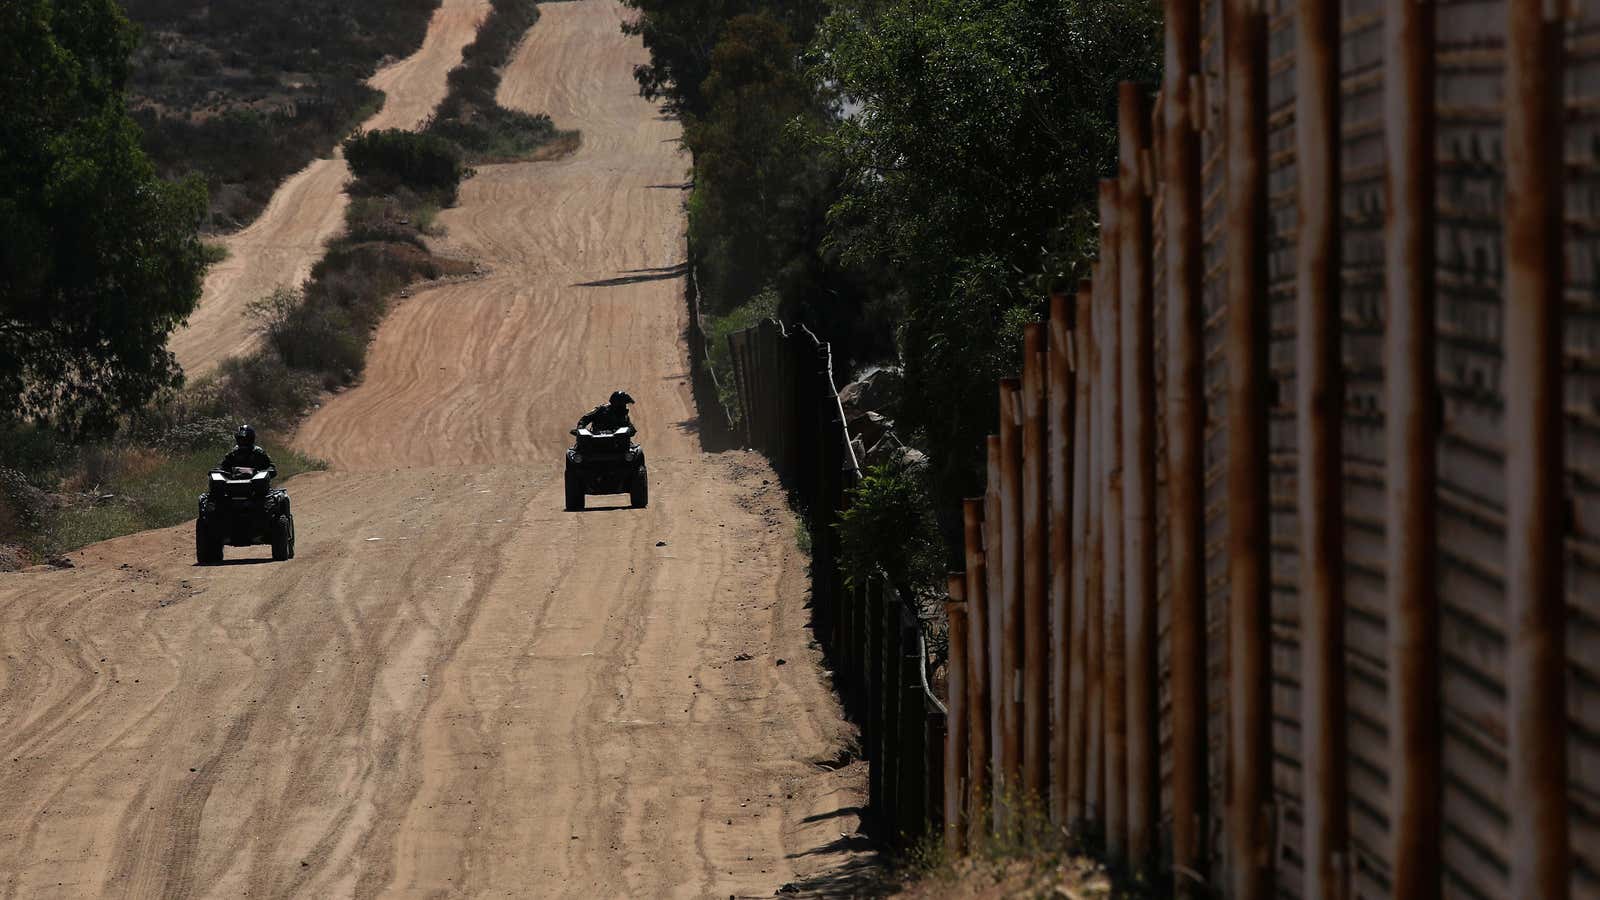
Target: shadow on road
[(635, 276), (260, 560)]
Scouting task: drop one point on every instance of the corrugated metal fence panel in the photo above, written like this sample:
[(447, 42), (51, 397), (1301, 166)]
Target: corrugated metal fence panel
[(1284, 521), (1361, 69), (1471, 186), (1582, 333), (1216, 382)]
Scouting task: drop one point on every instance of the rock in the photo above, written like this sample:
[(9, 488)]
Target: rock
[(743, 657), (61, 562), (871, 427), (783, 662), (661, 543), (878, 390)]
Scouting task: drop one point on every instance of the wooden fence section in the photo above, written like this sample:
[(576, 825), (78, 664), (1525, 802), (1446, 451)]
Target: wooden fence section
[(1290, 560), (874, 638)]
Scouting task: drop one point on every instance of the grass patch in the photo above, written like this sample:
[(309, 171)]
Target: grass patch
[(214, 253), (763, 306)]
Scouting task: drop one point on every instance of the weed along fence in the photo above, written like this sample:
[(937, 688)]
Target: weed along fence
[(1287, 577), (790, 411)]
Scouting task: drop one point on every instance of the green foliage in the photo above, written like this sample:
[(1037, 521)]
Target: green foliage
[(762, 306), (388, 158), (246, 95), (682, 35), (970, 168), (890, 525), (100, 259), (470, 116)]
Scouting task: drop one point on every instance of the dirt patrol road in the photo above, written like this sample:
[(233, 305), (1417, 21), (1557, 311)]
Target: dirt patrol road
[(457, 689), (285, 241)]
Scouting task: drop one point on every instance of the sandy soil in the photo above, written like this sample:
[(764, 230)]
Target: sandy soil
[(281, 245), (456, 688)]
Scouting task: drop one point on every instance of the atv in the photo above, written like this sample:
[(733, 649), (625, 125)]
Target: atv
[(606, 462), (242, 509)]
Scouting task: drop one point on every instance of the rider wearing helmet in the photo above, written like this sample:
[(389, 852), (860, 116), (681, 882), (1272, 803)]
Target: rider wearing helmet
[(246, 455), (612, 415)]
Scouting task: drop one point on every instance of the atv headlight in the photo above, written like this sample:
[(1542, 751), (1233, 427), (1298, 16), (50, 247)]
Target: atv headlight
[(633, 453), (575, 456)]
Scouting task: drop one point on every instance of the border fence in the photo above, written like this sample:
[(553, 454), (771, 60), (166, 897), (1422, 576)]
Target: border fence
[(1286, 580), (790, 411)]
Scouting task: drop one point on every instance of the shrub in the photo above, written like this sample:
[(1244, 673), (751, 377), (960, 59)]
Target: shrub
[(391, 157), (890, 525)]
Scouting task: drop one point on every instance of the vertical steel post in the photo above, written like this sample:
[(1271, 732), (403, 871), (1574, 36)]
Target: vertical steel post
[(993, 556), (1411, 450), (1249, 594), (1077, 693), (955, 747), (978, 691), (1319, 399), (1062, 559), (1139, 477), (1095, 539), (1541, 854), (1035, 718), (1011, 573), (1185, 276), (1115, 640)]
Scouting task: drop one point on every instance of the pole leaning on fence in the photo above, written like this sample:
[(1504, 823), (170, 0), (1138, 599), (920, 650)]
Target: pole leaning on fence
[(1319, 396), (1139, 476), (1249, 588), (1541, 855), (1181, 222), (1411, 451), (1059, 401)]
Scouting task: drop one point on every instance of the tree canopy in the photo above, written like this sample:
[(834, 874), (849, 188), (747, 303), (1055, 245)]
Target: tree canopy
[(970, 168), (100, 260)]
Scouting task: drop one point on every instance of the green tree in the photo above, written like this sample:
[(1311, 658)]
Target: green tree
[(682, 36), (980, 130), (100, 259)]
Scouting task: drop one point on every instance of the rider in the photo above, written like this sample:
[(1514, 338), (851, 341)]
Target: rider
[(612, 415), (246, 455)]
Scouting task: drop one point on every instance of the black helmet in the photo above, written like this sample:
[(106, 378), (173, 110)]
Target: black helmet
[(245, 437), (620, 398)]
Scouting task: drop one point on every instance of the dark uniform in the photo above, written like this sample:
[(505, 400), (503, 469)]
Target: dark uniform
[(249, 458), (606, 417), (609, 416)]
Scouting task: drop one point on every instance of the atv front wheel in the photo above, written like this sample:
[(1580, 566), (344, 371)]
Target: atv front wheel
[(574, 493), (639, 490), (282, 537), (207, 549)]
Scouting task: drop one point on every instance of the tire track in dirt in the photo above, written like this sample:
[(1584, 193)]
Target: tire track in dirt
[(455, 677)]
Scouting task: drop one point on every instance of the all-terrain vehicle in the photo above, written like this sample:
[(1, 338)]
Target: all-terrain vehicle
[(605, 461), (242, 509)]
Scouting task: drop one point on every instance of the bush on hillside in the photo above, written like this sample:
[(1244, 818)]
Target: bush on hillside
[(389, 158)]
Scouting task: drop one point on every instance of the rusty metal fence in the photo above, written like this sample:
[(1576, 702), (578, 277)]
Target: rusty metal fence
[(1287, 579), (874, 637)]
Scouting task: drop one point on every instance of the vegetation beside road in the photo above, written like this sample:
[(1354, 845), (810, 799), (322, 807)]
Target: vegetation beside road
[(244, 95), (910, 179), (472, 119)]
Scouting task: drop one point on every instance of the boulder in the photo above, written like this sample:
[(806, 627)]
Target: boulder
[(870, 427), (878, 390)]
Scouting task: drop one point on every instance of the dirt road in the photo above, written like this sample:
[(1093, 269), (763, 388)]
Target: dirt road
[(457, 689), (280, 247)]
